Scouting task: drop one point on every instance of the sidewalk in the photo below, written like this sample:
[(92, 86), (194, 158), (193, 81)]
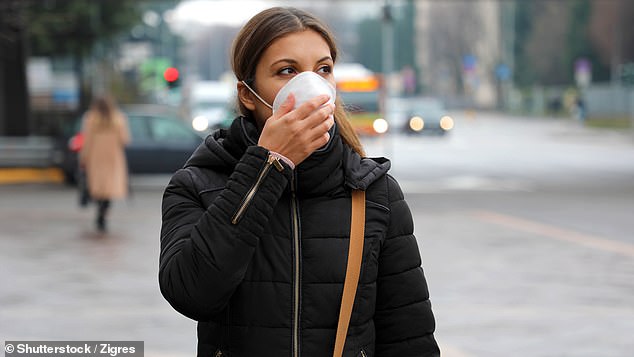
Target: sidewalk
[(29, 159)]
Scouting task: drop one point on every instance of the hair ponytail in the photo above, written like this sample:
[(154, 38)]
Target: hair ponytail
[(348, 135)]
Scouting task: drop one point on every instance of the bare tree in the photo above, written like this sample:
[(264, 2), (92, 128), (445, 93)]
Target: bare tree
[(612, 32), (546, 47), (454, 30), (14, 109)]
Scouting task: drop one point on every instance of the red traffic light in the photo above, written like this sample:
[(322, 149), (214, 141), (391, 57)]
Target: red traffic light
[(171, 74)]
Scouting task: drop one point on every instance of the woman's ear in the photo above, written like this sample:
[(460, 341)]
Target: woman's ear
[(245, 96)]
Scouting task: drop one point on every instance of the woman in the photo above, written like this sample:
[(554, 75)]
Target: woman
[(105, 131), (255, 229)]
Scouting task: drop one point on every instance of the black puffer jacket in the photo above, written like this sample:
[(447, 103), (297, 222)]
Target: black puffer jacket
[(256, 252)]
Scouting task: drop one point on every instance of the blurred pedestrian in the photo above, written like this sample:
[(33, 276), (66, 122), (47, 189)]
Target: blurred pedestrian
[(105, 131), (256, 226), (580, 109)]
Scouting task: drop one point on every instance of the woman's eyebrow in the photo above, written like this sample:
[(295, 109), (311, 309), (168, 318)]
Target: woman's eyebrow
[(292, 61), (285, 60), (326, 58)]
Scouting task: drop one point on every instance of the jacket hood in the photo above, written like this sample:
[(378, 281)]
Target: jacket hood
[(361, 172), (223, 148), (211, 154), (334, 165)]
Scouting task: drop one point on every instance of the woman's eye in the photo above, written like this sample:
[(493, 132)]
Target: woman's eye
[(286, 70), (324, 69)]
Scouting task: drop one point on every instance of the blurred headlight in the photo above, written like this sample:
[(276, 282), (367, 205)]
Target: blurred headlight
[(380, 125), (416, 123), (200, 123), (446, 123)]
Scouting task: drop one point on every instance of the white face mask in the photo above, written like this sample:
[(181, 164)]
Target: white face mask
[(305, 86)]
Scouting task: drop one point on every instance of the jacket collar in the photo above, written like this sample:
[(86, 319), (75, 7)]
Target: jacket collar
[(324, 173)]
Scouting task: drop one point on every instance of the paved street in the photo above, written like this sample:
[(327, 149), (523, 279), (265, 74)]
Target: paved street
[(525, 227), (527, 236)]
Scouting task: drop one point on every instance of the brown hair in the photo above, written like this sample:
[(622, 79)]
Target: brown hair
[(266, 27), (104, 109)]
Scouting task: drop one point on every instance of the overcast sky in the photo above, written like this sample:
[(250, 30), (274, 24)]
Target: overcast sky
[(235, 13)]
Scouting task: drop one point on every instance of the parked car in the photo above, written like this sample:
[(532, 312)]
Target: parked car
[(210, 105), (160, 142), (419, 115)]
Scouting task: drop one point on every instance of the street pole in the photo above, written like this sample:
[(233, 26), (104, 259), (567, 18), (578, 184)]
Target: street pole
[(617, 45), (510, 55), (631, 101), (388, 64)]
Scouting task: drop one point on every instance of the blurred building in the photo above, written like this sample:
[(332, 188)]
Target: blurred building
[(459, 46)]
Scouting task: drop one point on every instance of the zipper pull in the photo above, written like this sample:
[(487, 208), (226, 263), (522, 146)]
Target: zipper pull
[(273, 160)]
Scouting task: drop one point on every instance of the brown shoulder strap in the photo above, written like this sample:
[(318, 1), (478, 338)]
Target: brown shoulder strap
[(353, 270)]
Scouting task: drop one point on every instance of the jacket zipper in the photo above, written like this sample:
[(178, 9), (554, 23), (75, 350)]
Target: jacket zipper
[(363, 354), (218, 353), (270, 162), (296, 282)]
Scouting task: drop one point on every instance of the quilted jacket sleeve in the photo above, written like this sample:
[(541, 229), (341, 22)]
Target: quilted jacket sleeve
[(204, 256), (404, 321)]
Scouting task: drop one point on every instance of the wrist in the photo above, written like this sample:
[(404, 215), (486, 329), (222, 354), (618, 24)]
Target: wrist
[(283, 158)]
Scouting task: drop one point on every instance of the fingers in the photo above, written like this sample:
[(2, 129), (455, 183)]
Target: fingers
[(286, 106), (321, 129), (321, 115), (297, 133), (319, 122), (310, 116), (310, 106)]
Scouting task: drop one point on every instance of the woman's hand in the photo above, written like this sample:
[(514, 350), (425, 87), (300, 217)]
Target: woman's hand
[(298, 133)]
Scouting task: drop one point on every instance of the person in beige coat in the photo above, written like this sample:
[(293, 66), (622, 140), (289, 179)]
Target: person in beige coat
[(105, 130)]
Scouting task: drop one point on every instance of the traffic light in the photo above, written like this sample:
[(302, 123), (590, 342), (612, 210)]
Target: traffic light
[(171, 77)]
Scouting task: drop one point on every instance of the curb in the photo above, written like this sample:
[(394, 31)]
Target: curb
[(30, 175)]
